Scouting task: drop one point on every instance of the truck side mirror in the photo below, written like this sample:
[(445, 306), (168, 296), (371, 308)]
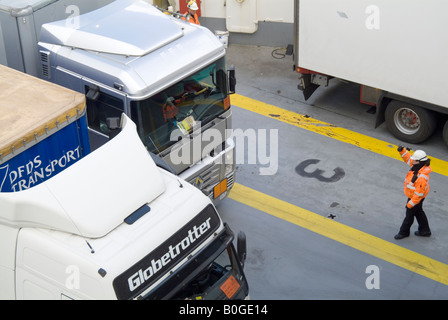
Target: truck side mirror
[(241, 247), (232, 79)]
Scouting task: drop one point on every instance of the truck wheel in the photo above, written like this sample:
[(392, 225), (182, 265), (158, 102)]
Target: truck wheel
[(445, 133), (409, 123)]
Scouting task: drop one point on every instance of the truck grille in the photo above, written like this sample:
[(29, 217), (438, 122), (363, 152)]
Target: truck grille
[(209, 177)]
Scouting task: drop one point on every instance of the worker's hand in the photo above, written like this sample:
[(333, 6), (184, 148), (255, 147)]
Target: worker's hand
[(400, 148)]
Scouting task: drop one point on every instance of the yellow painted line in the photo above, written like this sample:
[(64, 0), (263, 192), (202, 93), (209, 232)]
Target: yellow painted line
[(334, 230), (329, 130)]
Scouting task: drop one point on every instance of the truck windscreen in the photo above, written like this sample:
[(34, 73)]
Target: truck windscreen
[(175, 111)]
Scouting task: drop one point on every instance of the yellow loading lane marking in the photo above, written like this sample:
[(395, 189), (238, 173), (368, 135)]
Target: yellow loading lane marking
[(334, 230), (329, 130)]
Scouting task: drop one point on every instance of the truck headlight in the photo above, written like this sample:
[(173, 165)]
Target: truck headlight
[(229, 161)]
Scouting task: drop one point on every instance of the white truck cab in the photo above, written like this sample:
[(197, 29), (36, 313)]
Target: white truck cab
[(115, 226)]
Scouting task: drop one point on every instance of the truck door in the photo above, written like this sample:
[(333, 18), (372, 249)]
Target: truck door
[(104, 106)]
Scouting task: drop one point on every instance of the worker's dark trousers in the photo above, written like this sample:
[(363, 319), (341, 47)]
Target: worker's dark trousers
[(417, 212)]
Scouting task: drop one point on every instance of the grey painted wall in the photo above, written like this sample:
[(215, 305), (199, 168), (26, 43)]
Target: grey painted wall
[(270, 34)]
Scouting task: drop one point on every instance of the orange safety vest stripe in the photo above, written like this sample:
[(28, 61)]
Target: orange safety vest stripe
[(418, 190), (406, 157)]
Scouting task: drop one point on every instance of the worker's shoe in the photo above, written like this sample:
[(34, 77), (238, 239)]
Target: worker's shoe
[(422, 234), (399, 236)]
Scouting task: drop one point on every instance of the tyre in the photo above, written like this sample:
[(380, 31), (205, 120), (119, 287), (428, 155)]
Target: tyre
[(445, 133), (409, 123)]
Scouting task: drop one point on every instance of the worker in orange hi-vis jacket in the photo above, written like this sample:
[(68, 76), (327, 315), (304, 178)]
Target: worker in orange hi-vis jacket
[(191, 14), (416, 188)]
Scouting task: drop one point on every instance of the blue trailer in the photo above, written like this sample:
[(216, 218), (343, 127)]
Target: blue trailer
[(43, 130)]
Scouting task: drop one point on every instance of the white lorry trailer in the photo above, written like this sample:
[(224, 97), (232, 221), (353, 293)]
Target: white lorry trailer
[(112, 225), (167, 75), (393, 49)]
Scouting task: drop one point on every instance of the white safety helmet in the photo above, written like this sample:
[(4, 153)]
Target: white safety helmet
[(419, 155), (192, 5)]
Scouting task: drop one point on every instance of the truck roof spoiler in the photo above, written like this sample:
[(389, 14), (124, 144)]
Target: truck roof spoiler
[(107, 30), (86, 198)]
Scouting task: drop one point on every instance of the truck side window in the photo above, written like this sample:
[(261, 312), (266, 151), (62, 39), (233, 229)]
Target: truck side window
[(101, 106)]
